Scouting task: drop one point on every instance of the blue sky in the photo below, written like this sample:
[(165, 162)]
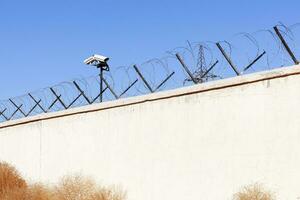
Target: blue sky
[(44, 42)]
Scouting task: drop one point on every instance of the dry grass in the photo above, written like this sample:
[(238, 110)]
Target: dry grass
[(13, 187), (254, 192)]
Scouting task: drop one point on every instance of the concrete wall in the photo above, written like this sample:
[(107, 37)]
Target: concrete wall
[(199, 142)]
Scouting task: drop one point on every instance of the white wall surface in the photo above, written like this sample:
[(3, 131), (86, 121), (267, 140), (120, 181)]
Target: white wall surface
[(200, 142)]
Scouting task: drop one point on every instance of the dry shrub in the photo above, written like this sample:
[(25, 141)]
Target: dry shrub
[(36, 192), (111, 193), (39, 192), (74, 188), (13, 187), (10, 180), (254, 192), (79, 188), (15, 194)]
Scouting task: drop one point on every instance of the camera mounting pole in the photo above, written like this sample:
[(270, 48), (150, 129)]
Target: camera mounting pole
[(102, 69)]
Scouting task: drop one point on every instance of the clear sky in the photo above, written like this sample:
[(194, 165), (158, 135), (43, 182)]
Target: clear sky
[(43, 42)]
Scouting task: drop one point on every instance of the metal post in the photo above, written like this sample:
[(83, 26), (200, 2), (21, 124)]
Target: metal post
[(254, 61), (286, 46), (82, 92), (143, 78), (164, 81), (228, 59), (37, 102), (132, 84), (110, 89), (2, 113), (101, 84), (186, 68)]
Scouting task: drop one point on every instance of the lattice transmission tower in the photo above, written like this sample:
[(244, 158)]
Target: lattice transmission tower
[(201, 75)]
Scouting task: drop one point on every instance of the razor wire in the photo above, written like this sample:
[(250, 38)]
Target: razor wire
[(192, 63)]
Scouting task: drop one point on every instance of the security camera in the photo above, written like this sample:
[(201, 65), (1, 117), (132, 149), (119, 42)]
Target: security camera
[(97, 60)]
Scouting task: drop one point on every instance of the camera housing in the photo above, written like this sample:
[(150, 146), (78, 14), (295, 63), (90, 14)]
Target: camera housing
[(98, 61)]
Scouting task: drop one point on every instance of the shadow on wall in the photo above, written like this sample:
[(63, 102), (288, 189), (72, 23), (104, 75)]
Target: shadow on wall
[(76, 187)]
